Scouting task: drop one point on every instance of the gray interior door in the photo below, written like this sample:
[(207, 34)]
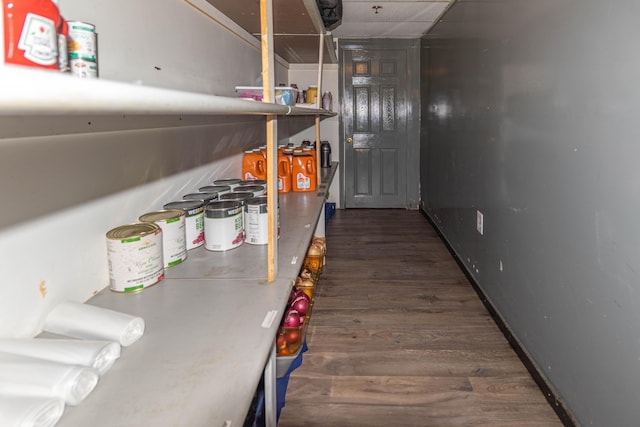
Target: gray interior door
[(374, 126)]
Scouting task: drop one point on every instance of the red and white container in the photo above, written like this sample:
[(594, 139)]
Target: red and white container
[(172, 222), (31, 33), (223, 225), (135, 256)]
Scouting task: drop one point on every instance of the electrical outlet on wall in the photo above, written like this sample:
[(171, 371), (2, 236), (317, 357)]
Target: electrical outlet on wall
[(480, 222)]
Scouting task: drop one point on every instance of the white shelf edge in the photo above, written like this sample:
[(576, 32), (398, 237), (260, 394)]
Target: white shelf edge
[(37, 92)]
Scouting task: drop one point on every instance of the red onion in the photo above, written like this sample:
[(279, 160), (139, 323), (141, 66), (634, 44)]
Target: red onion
[(300, 293), (301, 305), (292, 296), (291, 319)]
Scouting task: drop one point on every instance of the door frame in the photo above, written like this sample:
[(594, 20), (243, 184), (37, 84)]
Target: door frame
[(412, 48)]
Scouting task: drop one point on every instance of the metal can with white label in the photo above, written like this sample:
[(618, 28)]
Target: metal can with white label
[(237, 196), (82, 47), (262, 182), (256, 190), (256, 221), (223, 225), (83, 69), (135, 256), (82, 41), (219, 189), (231, 182), (194, 221), (257, 225), (203, 197), (172, 222)]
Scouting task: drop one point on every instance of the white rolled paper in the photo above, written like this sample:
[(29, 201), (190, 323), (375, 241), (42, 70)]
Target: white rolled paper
[(27, 376), (90, 322), (100, 355), (22, 411)]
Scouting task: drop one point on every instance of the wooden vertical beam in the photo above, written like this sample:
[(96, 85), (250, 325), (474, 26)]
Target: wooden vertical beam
[(319, 105), (268, 86), (268, 83)]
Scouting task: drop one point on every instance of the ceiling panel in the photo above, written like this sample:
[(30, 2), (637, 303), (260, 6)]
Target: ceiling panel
[(296, 30), (385, 30), (391, 12), (293, 23), (395, 18)]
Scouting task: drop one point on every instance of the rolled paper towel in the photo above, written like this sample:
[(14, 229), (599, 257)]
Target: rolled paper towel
[(90, 322), (27, 376), (24, 411), (100, 355)]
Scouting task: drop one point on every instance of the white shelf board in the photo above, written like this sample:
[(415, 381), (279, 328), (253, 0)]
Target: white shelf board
[(204, 348), (37, 92), (299, 213), (198, 363)]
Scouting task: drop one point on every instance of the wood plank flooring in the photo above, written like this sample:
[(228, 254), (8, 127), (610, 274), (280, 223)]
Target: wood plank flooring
[(398, 337)]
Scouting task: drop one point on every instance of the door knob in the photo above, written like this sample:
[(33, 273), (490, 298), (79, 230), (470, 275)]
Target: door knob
[(349, 140)]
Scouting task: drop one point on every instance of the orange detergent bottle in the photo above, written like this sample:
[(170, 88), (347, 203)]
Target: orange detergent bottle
[(289, 153), (304, 172), (284, 173), (253, 166), (31, 33), (311, 150)]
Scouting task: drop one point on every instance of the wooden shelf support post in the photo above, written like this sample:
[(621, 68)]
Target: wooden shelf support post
[(319, 106), (268, 83)]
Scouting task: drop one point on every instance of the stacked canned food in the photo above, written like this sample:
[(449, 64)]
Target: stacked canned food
[(221, 216), (139, 252)]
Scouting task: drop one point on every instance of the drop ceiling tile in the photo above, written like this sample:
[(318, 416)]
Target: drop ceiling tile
[(392, 12), (383, 29)]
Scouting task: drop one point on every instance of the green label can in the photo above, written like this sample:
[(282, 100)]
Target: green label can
[(135, 256), (172, 223), (223, 225)]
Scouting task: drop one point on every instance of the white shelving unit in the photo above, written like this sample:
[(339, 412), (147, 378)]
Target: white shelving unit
[(208, 335), (208, 338), (27, 91)]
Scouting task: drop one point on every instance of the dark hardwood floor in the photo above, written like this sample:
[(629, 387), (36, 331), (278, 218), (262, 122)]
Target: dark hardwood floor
[(398, 337)]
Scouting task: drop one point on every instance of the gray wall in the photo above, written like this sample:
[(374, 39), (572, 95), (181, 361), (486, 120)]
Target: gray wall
[(531, 114)]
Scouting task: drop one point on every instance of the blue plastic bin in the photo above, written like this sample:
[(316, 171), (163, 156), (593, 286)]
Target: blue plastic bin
[(257, 418), (329, 210), (283, 383)]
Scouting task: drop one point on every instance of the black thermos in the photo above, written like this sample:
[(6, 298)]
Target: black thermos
[(325, 154)]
